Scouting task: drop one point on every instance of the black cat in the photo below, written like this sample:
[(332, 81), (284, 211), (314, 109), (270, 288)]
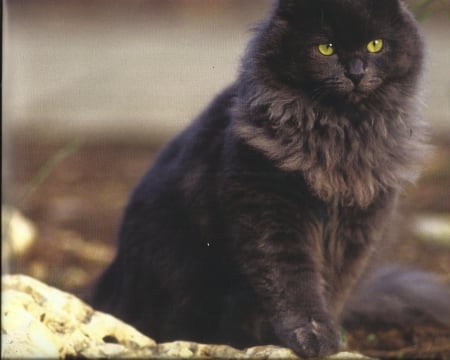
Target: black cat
[(255, 223)]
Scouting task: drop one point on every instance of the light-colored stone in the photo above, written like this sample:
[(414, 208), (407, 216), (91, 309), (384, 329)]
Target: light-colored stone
[(348, 356), (433, 228), (186, 350), (18, 233), (39, 321), (270, 352)]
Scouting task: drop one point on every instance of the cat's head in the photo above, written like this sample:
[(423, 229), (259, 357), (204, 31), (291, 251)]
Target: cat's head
[(340, 49)]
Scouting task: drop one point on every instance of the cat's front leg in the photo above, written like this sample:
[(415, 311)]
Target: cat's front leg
[(277, 246), (354, 236)]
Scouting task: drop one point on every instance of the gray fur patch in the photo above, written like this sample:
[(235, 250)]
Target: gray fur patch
[(345, 160)]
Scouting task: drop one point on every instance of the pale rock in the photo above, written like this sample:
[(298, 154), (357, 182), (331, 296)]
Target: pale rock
[(433, 228), (186, 350), (270, 352), (348, 356), (18, 234), (40, 320)]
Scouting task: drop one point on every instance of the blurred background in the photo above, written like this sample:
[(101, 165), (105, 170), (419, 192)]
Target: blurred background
[(119, 68), (93, 88), (144, 68)]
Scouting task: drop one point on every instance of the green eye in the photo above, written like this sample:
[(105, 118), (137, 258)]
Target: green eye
[(326, 49), (375, 46)]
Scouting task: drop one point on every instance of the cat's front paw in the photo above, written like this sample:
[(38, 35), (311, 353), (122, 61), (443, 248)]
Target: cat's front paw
[(314, 339)]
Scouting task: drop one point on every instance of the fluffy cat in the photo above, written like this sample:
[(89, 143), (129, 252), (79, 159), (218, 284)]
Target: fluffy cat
[(255, 223)]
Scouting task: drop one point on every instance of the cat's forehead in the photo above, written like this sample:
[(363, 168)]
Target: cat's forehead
[(343, 21), (360, 14), (355, 18), (362, 8)]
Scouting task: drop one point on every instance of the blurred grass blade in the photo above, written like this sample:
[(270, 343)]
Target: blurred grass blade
[(48, 167)]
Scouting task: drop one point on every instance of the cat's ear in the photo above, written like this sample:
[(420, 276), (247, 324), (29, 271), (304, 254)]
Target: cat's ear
[(287, 7), (285, 4), (389, 5), (388, 8), (289, 4)]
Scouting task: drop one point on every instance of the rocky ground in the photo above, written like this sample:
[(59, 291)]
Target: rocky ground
[(43, 322), (76, 210)]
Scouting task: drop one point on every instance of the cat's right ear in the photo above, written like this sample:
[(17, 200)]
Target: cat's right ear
[(291, 7), (286, 4), (286, 7)]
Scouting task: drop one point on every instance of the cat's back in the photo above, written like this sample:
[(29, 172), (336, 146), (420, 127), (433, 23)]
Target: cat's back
[(199, 145), (179, 186), (167, 221)]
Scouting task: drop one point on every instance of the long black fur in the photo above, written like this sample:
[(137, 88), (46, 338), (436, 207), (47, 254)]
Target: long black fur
[(255, 223)]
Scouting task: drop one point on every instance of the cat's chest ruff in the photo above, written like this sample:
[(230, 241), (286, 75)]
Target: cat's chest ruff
[(341, 159)]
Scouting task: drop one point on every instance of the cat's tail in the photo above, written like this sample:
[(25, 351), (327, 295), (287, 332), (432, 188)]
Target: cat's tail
[(398, 296)]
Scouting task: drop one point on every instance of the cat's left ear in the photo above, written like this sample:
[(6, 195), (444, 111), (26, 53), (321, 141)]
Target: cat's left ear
[(387, 8), (285, 4), (289, 7), (390, 5)]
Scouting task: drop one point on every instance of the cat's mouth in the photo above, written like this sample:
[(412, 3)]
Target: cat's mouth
[(356, 91), (347, 90)]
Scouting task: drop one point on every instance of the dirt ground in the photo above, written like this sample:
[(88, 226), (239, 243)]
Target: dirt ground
[(77, 210)]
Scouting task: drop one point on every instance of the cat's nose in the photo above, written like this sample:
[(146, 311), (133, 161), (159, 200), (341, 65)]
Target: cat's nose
[(356, 70)]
